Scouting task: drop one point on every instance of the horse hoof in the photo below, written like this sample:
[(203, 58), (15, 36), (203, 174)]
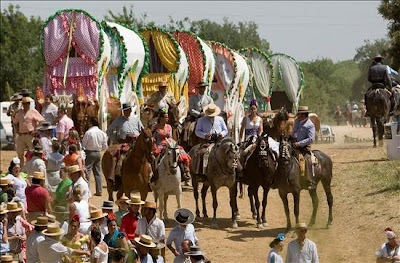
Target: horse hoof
[(374, 146), (205, 216), (265, 224), (237, 217), (260, 226), (234, 225), (198, 214), (328, 226), (254, 216), (310, 225)]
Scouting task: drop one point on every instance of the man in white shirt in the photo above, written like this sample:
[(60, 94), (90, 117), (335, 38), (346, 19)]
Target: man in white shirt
[(149, 224), (50, 110), (34, 238), (94, 141), (75, 175), (302, 249)]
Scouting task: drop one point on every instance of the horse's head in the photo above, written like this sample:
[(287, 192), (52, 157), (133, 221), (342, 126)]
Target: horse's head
[(262, 152), (173, 116), (145, 141), (172, 153), (285, 150), (228, 151)]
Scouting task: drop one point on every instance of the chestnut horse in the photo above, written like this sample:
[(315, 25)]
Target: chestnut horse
[(81, 113)]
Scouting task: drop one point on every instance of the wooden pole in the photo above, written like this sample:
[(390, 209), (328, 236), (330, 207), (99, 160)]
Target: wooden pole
[(71, 28)]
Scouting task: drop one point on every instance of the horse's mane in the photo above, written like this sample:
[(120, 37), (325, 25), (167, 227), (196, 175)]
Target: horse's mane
[(282, 115), (227, 139)]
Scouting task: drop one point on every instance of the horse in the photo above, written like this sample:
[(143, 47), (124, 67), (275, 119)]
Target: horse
[(82, 111), (378, 104), (338, 116), (113, 109), (358, 117), (289, 180), (169, 180), (259, 171), (136, 168), (220, 172)]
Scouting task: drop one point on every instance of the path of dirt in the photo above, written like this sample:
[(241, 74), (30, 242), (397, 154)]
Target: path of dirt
[(360, 213)]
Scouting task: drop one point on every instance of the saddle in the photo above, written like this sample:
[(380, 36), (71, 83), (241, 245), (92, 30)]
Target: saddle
[(200, 160), (303, 162), (118, 157)]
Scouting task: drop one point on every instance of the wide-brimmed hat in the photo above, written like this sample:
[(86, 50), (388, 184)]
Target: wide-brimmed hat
[(183, 216), (194, 251), (13, 207), (149, 204), (5, 181), (123, 199), (211, 110), (3, 210), (52, 219), (7, 258), (24, 92), (126, 106), (40, 221), (15, 97), (303, 109), (135, 200), (145, 241), (53, 230), (390, 234), (27, 99), (378, 56), (163, 84), (201, 84), (97, 214), (38, 149), (46, 126), (38, 175), (108, 205), (300, 226), (74, 169), (60, 210)]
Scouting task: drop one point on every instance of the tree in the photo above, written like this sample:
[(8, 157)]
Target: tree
[(390, 10), (21, 59), (127, 17)]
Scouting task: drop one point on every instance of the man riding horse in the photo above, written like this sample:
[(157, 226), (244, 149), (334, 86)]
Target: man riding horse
[(210, 128), (379, 76)]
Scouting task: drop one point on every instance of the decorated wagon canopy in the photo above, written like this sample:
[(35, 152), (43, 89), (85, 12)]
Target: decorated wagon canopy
[(200, 58), (168, 62), (76, 52), (289, 81), (262, 78)]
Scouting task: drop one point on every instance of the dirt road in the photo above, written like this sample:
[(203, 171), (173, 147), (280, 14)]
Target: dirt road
[(362, 209)]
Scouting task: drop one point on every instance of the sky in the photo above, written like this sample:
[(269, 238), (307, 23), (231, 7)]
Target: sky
[(305, 30)]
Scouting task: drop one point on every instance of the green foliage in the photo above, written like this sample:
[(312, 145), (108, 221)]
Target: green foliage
[(127, 17), (327, 84), (390, 10), (21, 61)]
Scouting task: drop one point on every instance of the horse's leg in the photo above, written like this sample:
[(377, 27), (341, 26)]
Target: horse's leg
[(120, 192), (215, 206), (165, 206), (110, 189), (232, 202), (178, 198), (161, 204), (250, 191), (257, 206), (264, 205), (296, 201), (381, 130), (327, 187), (196, 194), (286, 208), (373, 125), (240, 190), (315, 202), (203, 199)]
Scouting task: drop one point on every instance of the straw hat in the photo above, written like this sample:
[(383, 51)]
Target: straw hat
[(126, 106), (303, 109), (52, 219), (163, 84), (211, 110), (202, 84), (145, 241), (38, 149), (27, 99), (46, 126), (74, 169), (15, 97), (123, 199), (183, 216), (300, 226), (107, 205), (6, 258), (5, 181), (149, 204), (194, 251), (40, 221), (13, 207), (24, 92), (38, 175), (3, 210), (135, 200), (97, 214), (53, 230), (60, 210)]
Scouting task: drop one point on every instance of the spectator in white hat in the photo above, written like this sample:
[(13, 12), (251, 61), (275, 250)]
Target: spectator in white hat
[(302, 249), (390, 250)]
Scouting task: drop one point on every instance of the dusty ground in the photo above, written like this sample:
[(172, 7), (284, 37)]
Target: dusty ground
[(363, 207)]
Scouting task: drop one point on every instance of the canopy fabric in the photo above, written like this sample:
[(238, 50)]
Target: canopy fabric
[(209, 69), (165, 47), (289, 72), (196, 57)]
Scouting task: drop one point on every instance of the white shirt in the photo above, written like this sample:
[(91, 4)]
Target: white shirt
[(182, 259), (84, 188), (35, 164), (95, 140), (32, 242), (274, 257), (49, 112), (52, 251), (155, 228), (178, 234), (307, 254), (384, 253), (46, 143), (100, 255)]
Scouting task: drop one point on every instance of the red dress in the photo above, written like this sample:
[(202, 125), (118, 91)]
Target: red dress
[(161, 135)]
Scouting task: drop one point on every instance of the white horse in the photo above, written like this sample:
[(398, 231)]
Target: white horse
[(169, 178)]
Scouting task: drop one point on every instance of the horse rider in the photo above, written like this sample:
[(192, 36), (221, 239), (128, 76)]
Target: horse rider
[(379, 76), (125, 128), (162, 99), (304, 134), (210, 128)]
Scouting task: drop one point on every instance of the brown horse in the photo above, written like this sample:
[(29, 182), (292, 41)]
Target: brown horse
[(81, 113), (113, 109), (136, 168)]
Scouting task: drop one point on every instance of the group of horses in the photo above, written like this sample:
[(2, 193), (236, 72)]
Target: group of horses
[(261, 169)]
